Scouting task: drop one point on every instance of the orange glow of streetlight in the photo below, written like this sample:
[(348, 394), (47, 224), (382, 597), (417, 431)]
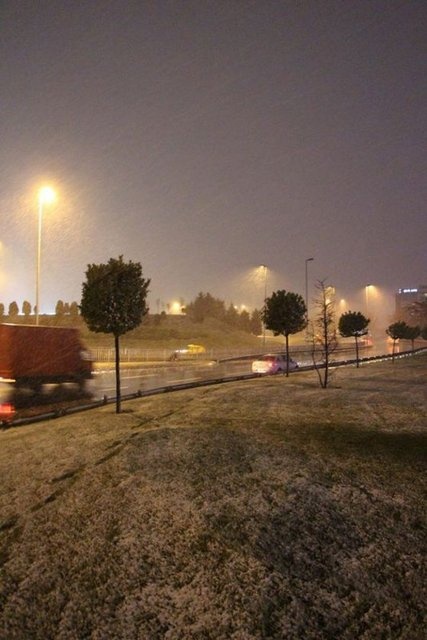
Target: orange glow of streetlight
[(369, 290), (46, 196), (329, 294), (176, 308)]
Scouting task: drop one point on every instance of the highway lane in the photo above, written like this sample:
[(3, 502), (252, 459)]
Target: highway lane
[(149, 376), (157, 375)]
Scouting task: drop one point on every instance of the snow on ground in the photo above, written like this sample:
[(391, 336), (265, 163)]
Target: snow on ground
[(268, 508)]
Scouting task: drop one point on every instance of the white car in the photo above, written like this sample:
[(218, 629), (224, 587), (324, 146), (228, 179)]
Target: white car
[(272, 363)]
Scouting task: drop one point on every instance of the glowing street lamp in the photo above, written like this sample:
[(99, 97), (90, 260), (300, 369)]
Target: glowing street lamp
[(46, 196), (176, 308), (330, 294)]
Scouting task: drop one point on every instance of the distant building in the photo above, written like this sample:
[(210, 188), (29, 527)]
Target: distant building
[(406, 297)]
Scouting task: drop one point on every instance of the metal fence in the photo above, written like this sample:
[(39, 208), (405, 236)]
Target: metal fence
[(135, 354)]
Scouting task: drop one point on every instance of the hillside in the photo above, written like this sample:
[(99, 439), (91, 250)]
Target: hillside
[(166, 332)]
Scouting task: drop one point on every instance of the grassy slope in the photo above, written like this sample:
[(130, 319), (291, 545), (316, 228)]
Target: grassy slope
[(262, 509), (172, 332)]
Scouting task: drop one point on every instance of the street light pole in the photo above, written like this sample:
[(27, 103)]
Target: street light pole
[(306, 282), (46, 196), (367, 298), (263, 266)]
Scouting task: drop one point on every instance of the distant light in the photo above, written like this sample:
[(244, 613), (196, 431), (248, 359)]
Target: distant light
[(408, 290)]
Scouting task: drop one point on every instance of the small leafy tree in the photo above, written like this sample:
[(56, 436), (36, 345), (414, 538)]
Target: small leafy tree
[(244, 323), (59, 309), (232, 316), (353, 324), (26, 308), (284, 313), (1, 310), (397, 331), (74, 309), (13, 310), (206, 306), (412, 334), (256, 322), (114, 301), (323, 331)]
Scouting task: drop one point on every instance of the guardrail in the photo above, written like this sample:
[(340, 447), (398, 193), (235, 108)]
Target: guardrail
[(136, 354)]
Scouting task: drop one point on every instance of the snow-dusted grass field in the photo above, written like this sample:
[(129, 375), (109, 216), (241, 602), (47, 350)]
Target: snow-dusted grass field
[(260, 509)]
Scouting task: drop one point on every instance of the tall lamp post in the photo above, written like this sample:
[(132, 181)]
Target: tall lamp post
[(307, 260), (367, 298), (263, 266), (46, 196)]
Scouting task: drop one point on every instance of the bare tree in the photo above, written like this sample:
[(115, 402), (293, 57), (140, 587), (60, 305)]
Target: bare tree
[(323, 331)]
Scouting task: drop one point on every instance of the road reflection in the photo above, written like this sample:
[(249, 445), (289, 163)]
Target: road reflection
[(158, 375)]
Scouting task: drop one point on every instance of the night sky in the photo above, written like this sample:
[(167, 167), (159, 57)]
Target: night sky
[(204, 138)]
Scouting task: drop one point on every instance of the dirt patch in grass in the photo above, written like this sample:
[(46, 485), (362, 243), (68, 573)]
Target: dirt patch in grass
[(261, 509)]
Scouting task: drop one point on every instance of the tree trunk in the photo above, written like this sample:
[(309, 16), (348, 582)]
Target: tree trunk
[(357, 351), (287, 354), (326, 373), (118, 397), (326, 349)]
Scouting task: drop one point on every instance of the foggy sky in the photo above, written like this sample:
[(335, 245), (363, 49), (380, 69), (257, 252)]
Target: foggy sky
[(203, 138)]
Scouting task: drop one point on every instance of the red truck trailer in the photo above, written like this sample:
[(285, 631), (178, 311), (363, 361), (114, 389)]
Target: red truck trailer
[(31, 356)]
